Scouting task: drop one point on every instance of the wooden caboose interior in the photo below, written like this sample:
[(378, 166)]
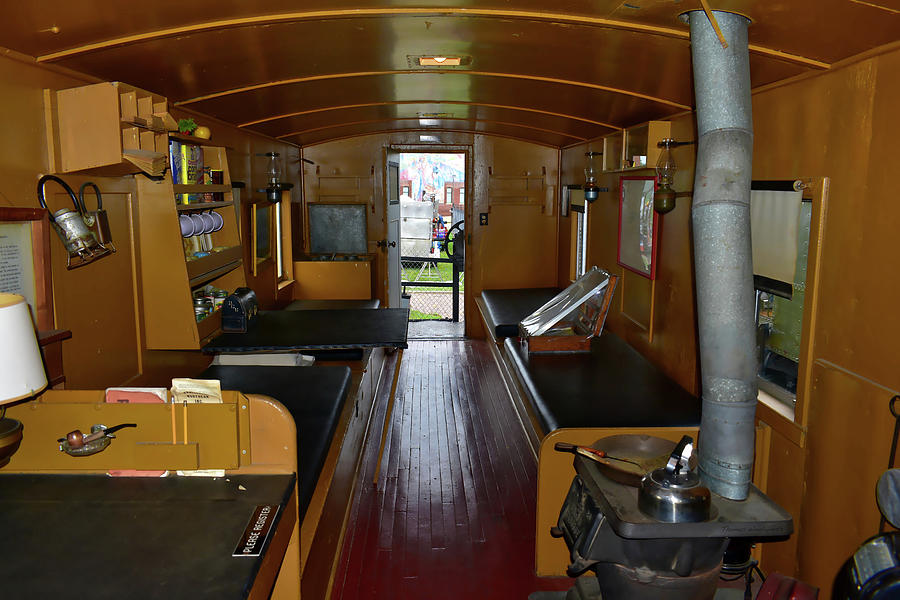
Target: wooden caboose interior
[(333, 87)]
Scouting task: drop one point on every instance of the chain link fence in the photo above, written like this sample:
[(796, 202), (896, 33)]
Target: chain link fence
[(434, 287)]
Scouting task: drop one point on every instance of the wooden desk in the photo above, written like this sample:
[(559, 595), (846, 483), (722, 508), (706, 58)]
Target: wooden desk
[(286, 330), (140, 537)]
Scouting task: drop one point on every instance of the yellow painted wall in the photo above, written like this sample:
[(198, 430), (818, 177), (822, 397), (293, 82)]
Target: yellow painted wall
[(673, 346), (97, 302), (518, 246), (843, 125)]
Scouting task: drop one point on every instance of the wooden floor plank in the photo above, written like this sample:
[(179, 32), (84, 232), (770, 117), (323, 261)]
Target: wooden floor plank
[(452, 515)]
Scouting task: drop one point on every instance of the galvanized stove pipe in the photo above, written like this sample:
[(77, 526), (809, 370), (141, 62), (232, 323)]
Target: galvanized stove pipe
[(722, 255)]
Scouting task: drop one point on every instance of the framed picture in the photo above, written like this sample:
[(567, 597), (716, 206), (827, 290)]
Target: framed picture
[(566, 201), (25, 260), (637, 225)]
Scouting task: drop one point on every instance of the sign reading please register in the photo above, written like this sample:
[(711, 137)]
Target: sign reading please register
[(257, 531)]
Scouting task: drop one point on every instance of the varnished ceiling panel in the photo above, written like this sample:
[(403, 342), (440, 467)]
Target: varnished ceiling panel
[(812, 28), (825, 30), (554, 73), (239, 57), (430, 116), (442, 136), (599, 105)]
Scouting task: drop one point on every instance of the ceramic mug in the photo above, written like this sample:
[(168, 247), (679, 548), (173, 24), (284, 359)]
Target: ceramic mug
[(187, 225), (208, 222), (198, 223), (218, 221)]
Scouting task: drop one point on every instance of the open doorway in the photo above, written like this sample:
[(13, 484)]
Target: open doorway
[(431, 241)]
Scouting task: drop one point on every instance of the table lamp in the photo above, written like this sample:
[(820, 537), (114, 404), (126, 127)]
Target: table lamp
[(21, 367)]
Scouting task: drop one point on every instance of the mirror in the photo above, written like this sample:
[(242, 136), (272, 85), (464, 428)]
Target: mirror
[(262, 233), (637, 225)]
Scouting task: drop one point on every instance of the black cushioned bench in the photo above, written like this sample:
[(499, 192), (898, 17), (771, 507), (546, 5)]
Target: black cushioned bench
[(505, 308), (341, 353), (330, 334), (332, 304), (613, 386), (313, 395)]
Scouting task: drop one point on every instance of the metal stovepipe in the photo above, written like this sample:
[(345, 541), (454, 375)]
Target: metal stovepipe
[(722, 254)]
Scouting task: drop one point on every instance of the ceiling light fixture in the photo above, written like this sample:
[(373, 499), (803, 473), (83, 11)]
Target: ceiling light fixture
[(440, 61)]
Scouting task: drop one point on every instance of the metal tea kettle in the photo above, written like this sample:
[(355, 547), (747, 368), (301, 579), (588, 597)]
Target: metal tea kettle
[(82, 246), (673, 493)]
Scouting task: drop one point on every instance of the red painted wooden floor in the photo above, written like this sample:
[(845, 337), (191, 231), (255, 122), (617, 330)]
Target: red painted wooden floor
[(453, 514)]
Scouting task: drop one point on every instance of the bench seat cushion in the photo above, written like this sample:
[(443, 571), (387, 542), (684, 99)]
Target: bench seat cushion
[(313, 395), (341, 354), (505, 308), (613, 386), (332, 304)]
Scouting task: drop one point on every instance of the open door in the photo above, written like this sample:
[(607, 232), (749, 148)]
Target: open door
[(393, 228)]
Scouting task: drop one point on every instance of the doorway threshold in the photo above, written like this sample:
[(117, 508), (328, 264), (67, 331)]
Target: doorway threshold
[(436, 330)]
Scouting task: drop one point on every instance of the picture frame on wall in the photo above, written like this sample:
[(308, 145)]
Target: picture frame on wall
[(25, 259), (565, 204), (638, 226)]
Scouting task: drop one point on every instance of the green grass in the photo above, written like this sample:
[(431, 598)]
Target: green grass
[(439, 272), (415, 315)]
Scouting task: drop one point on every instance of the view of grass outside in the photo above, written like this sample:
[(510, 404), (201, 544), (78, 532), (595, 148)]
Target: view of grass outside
[(422, 270), (415, 315), (430, 303)]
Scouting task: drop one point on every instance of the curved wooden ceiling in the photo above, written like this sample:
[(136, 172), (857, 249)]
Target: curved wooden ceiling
[(332, 69)]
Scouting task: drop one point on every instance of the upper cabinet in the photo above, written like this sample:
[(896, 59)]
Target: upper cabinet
[(108, 129), (635, 147)]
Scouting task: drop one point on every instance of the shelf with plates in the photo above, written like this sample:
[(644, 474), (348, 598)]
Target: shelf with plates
[(184, 248)]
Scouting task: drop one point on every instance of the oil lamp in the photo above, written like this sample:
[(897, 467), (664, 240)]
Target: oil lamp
[(664, 196), (273, 175), (591, 190)]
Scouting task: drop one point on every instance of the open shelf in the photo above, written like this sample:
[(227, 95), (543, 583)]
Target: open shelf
[(209, 326), (201, 206), (204, 270), (168, 278), (93, 127), (634, 148), (200, 188)]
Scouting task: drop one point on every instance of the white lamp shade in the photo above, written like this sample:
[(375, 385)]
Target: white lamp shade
[(21, 367)]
